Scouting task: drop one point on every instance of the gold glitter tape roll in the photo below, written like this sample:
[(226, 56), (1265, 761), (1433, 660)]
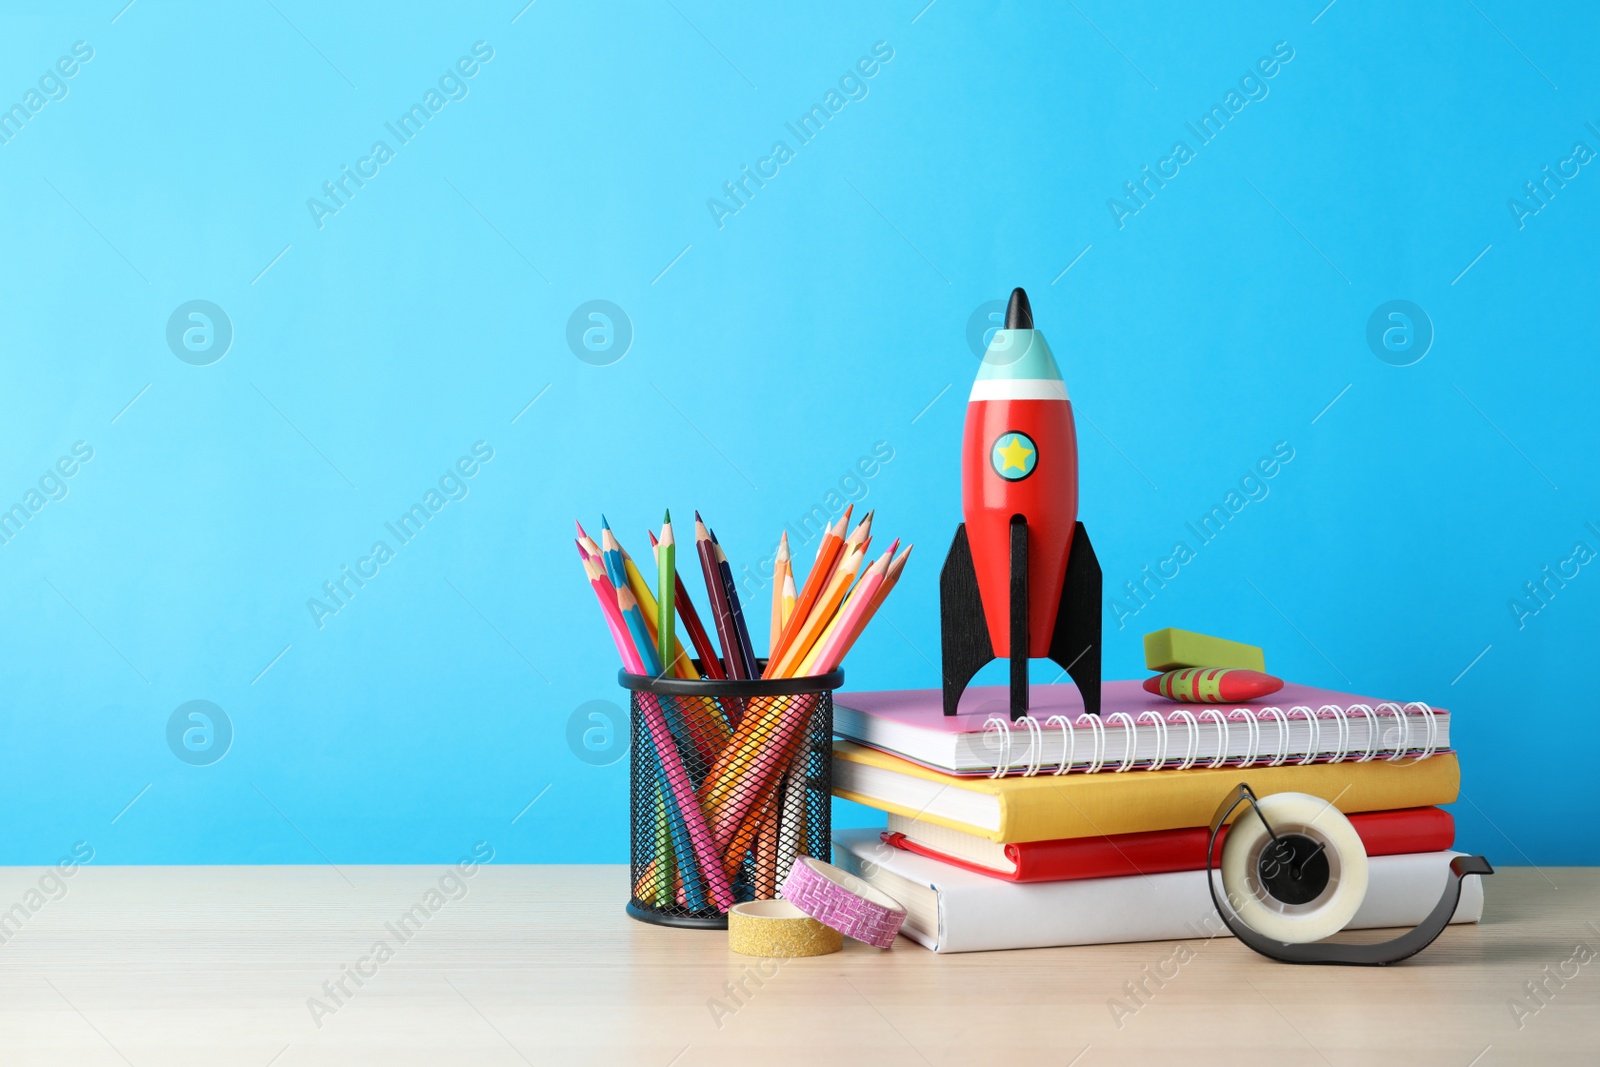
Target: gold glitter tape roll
[(778, 929)]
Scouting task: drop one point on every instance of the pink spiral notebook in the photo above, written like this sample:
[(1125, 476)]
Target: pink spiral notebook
[(1136, 729)]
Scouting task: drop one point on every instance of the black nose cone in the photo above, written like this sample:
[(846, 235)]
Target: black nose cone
[(1019, 316)]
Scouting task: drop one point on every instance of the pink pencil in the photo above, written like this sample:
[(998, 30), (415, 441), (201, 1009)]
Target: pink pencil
[(682, 790), (855, 615), (705, 848), (608, 607), (891, 576)]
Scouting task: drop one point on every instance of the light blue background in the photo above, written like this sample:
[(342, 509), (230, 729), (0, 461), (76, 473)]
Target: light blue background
[(769, 354)]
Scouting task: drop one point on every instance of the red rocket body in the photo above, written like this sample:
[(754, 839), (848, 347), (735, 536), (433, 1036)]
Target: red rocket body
[(1047, 498)]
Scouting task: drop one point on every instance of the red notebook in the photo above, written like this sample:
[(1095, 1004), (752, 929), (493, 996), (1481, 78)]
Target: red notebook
[(1384, 833)]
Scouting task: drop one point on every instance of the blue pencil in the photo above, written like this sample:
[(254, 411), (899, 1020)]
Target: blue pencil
[(611, 555), (629, 605)]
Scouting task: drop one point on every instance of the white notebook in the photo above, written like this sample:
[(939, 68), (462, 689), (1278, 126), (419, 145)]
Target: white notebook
[(952, 910)]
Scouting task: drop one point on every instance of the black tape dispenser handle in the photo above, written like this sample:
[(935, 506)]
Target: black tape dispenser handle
[(1385, 952)]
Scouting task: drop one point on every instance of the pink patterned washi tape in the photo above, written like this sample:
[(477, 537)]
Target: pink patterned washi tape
[(839, 899)]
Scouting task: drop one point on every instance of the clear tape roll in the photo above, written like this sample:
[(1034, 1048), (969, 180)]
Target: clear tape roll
[(1248, 893)]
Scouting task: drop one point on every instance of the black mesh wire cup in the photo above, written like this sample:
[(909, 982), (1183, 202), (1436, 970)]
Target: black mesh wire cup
[(729, 781)]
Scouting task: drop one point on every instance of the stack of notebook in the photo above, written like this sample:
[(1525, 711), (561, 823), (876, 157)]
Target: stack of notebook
[(1070, 829)]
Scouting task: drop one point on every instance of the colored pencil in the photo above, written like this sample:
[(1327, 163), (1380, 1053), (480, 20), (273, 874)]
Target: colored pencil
[(670, 650), (748, 816), (822, 611), (766, 857), (604, 590), (682, 666), (585, 540), (792, 828), (735, 795), (661, 891), (709, 664), (891, 576), (890, 579), (789, 595), (628, 604), (611, 555), (611, 602), (821, 573), (808, 664), (780, 567), (683, 793), (849, 617), (678, 865), (740, 627), (860, 536), (721, 612)]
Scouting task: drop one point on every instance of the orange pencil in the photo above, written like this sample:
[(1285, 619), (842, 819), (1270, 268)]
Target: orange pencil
[(821, 614), (736, 827), (766, 857), (848, 617), (861, 535), (828, 553)]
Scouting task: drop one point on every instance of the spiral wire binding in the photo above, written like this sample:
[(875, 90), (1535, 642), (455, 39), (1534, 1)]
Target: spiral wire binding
[(1003, 727), (1030, 762), (1035, 745), (1254, 725), (1224, 735), (1128, 732), (1372, 730), (1344, 731), (1402, 730), (1191, 753), (1159, 721), (1069, 744)]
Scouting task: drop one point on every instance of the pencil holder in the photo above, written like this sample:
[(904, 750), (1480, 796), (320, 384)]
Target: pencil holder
[(729, 782)]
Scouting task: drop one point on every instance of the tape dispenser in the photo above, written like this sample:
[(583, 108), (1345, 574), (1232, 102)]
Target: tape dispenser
[(1296, 873)]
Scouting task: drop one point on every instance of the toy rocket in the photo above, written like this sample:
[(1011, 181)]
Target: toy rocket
[(1021, 580)]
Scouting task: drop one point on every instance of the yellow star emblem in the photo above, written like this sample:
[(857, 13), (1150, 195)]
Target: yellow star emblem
[(1016, 454)]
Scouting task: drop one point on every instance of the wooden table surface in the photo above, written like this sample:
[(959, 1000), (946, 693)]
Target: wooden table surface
[(539, 965)]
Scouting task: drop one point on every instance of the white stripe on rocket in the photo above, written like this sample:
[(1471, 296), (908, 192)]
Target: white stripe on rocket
[(1018, 389)]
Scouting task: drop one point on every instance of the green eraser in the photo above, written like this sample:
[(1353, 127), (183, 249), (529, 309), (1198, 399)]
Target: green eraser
[(1167, 650)]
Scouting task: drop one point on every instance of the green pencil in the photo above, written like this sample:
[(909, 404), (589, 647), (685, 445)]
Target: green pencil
[(666, 589)]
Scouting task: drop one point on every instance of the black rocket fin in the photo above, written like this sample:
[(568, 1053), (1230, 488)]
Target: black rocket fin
[(963, 631), (1076, 642), (1019, 614)]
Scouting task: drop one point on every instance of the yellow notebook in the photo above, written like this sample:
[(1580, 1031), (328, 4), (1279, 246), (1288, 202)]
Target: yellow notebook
[(1048, 807)]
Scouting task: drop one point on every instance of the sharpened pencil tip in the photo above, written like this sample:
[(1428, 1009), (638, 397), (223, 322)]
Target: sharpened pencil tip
[(667, 516), (604, 525)]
